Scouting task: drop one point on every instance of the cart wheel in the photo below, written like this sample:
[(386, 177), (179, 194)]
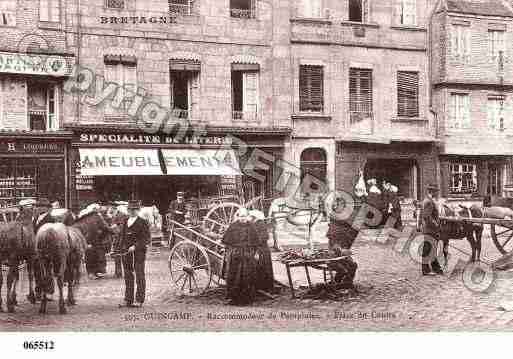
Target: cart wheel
[(502, 238), (190, 268), (220, 217)]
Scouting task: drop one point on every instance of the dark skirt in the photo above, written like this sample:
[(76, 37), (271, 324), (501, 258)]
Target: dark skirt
[(95, 260), (265, 274), (240, 273)]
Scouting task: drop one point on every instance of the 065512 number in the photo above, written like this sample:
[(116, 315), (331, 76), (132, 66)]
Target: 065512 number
[(39, 345)]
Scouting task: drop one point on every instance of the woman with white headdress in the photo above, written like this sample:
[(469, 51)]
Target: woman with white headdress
[(240, 259)]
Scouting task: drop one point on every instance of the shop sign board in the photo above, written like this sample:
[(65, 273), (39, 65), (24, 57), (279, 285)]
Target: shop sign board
[(119, 162), (14, 146), (36, 64), (147, 139)]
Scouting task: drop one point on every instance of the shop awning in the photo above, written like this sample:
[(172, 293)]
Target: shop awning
[(221, 162), (119, 162)]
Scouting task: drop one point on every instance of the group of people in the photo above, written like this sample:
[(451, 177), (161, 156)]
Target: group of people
[(247, 266), (386, 200)]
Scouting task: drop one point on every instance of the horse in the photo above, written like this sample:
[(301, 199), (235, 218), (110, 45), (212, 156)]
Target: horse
[(17, 244), (61, 251), (457, 230), (304, 212)]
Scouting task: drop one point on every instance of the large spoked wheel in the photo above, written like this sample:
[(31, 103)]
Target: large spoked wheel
[(502, 238), (220, 217), (190, 268)]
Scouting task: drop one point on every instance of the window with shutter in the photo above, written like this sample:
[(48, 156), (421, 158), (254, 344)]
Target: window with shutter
[(181, 7), (244, 9), (311, 88), (407, 94), (245, 95), (311, 9), (8, 13), (459, 113), (50, 10), (463, 178), (496, 43), (250, 101), (495, 111), (360, 93), (460, 40), (125, 78), (405, 12)]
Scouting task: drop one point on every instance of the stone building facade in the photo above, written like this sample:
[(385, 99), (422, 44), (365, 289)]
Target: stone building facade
[(375, 117), (471, 70), (34, 64)]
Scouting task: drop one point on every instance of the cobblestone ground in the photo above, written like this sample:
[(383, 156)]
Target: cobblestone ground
[(392, 296)]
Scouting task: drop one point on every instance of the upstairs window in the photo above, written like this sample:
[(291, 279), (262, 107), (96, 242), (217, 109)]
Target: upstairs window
[(244, 9), (8, 13), (310, 9), (181, 7), (184, 76), (407, 94), (460, 40), (496, 113), (123, 73), (459, 111), (359, 10), (406, 12), (311, 88), (245, 94), (50, 10), (360, 93), (42, 105), (496, 44), (115, 4)]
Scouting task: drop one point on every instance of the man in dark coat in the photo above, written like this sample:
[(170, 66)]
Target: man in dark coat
[(395, 207), (176, 212), (240, 259), (135, 236), (431, 231), (95, 255), (43, 215), (341, 236)]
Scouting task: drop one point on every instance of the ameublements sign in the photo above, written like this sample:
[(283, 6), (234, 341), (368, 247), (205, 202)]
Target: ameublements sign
[(36, 64), (119, 162)]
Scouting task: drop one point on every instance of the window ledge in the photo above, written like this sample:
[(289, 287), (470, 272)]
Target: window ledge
[(8, 26), (50, 25), (409, 119), (311, 116), (409, 28), (305, 20), (464, 197), (363, 24)]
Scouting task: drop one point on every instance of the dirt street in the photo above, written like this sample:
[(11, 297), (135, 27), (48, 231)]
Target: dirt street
[(392, 296)]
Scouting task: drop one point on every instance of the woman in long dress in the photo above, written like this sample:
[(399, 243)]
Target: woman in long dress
[(265, 274), (241, 241)]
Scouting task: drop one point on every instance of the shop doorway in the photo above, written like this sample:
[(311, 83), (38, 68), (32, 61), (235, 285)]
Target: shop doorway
[(403, 173), (314, 162)]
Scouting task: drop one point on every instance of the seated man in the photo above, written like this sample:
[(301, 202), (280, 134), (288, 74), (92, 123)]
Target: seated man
[(341, 236)]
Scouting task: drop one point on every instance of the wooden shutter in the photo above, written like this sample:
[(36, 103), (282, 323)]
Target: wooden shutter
[(409, 12), (112, 75), (49, 10), (129, 83), (44, 13), (250, 100), (360, 91), (366, 11), (311, 97), (8, 13), (407, 94), (465, 118)]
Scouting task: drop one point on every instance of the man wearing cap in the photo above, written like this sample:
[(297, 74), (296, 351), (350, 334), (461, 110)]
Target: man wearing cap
[(135, 236), (177, 212), (431, 231), (43, 215)]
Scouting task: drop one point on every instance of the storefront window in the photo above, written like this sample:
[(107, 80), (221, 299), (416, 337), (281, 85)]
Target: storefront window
[(463, 178), (495, 180), (17, 181)]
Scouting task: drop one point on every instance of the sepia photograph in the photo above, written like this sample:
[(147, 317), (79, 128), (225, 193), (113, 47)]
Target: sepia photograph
[(255, 166)]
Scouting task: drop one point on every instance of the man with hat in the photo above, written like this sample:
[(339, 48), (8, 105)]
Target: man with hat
[(134, 237), (431, 231), (177, 211), (43, 215)]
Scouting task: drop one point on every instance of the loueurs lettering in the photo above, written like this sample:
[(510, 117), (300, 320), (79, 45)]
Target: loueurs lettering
[(99, 161)]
